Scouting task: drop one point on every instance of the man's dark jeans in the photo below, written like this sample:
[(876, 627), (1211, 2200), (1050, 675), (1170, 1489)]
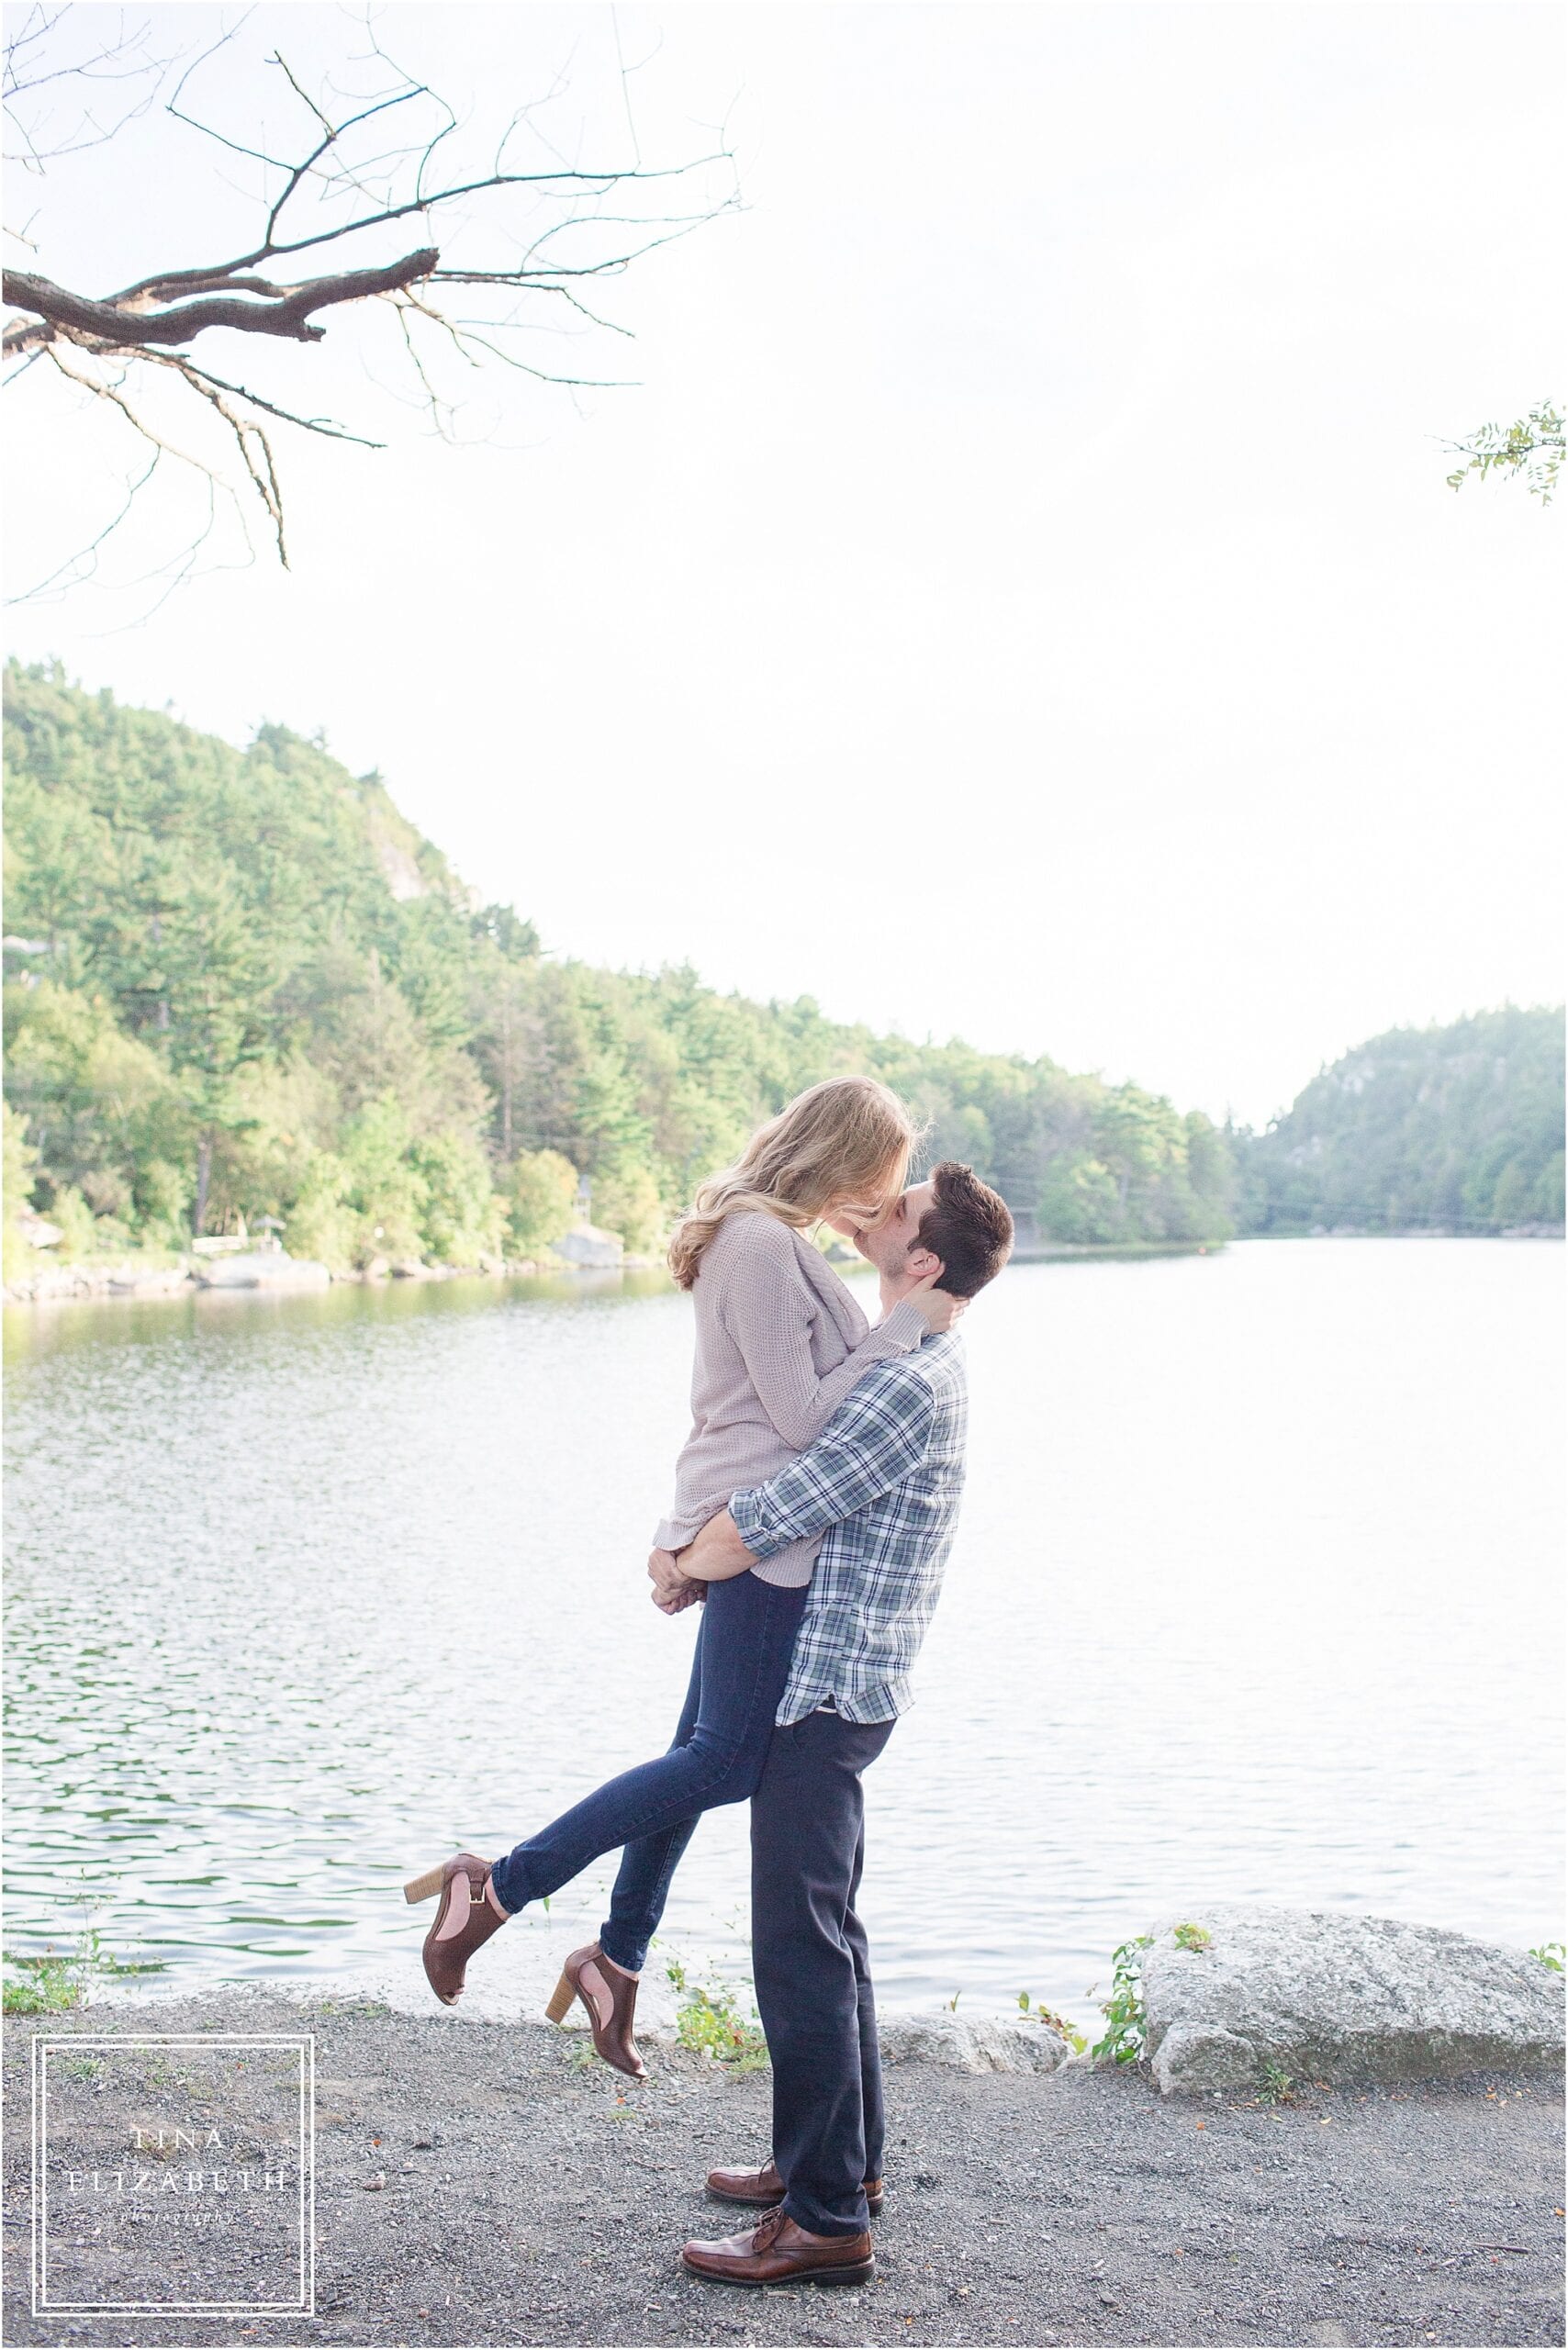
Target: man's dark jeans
[(809, 1958), (738, 1671)]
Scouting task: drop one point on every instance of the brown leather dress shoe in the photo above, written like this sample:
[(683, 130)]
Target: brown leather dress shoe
[(776, 2252), (765, 2185), (610, 1995), (466, 1918)]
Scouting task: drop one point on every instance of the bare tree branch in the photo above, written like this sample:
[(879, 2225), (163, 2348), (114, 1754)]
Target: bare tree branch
[(343, 191), (285, 310)]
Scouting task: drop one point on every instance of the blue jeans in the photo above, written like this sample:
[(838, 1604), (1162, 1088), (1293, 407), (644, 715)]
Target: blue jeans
[(738, 1671)]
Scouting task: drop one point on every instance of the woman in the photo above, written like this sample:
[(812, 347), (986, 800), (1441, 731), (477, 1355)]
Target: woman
[(780, 1342)]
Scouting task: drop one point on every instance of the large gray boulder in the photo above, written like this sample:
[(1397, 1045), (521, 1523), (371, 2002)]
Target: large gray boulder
[(1334, 1997), (970, 2043), (261, 1268), (586, 1244)]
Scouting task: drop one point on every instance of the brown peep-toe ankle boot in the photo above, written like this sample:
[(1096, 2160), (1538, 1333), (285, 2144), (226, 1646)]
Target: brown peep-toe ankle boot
[(466, 1918), (610, 1995)]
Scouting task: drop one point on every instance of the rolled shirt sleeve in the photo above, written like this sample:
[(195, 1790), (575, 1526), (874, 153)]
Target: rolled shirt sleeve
[(873, 1441)]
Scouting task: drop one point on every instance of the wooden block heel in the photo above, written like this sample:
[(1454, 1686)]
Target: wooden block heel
[(608, 1995), (423, 1889)]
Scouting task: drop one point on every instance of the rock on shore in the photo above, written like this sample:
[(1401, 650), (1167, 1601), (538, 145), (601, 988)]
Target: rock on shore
[(965, 2044), (1334, 1997)]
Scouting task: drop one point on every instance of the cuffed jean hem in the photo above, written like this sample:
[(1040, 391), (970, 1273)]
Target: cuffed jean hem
[(500, 1897)]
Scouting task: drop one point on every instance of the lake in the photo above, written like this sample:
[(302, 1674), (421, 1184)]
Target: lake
[(1256, 1594)]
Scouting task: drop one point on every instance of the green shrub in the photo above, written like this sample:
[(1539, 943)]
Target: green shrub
[(463, 1219), (628, 1204), (40, 1986), (21, 1169), (386, 1191), (709, 2021), (322, 1223), (55, 1984), (78, 1227), (1079, 1201), (541, 1188)]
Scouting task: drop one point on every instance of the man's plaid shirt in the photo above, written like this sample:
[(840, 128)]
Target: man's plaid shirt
[(885, 1478)]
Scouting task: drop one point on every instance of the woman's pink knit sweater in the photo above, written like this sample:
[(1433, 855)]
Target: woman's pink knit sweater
[(780, 1342)]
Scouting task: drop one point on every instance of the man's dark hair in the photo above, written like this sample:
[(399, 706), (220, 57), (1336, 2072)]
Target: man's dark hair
[(968, 1226)]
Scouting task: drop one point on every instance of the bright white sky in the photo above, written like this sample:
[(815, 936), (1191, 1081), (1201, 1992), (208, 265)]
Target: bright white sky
[(1021, 600)]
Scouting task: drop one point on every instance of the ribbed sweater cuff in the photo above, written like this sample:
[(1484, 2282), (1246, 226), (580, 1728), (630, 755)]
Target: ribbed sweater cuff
[(903, 1329)]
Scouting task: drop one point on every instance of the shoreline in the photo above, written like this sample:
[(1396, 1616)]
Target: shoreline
[(480, 2183), (127, 1281)]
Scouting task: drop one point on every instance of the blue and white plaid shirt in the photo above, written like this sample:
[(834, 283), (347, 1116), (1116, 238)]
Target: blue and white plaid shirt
[(885, 1478)]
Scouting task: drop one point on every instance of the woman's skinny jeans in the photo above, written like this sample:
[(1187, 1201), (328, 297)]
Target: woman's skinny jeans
[(738, 1672)]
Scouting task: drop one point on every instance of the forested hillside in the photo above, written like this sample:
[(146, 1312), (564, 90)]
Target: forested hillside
[(1455, 1129), (238, 983)]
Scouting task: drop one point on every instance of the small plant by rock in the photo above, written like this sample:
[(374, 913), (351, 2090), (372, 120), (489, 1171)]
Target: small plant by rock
[(1053, 2022), (1550, 1954), (1125, 2035), (709, 2021)]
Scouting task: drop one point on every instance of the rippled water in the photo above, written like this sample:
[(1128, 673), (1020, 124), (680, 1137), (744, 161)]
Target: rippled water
[(1257, 1593)]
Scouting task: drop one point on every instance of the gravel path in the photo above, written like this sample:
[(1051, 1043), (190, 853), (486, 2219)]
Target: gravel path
[(529, 2196)]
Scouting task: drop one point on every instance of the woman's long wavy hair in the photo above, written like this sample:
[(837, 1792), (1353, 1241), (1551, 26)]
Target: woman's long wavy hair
[(840, 1147)]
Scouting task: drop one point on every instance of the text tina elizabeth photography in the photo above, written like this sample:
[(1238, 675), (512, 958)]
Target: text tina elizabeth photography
[(783, 1227)]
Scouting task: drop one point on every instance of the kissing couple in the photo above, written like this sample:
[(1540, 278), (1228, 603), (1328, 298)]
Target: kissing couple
[(815, 1502)]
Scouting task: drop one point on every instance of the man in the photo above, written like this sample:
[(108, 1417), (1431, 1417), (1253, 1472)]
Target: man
[(885, 1479)]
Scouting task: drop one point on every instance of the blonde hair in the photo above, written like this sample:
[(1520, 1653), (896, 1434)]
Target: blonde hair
[(841, 1145)]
